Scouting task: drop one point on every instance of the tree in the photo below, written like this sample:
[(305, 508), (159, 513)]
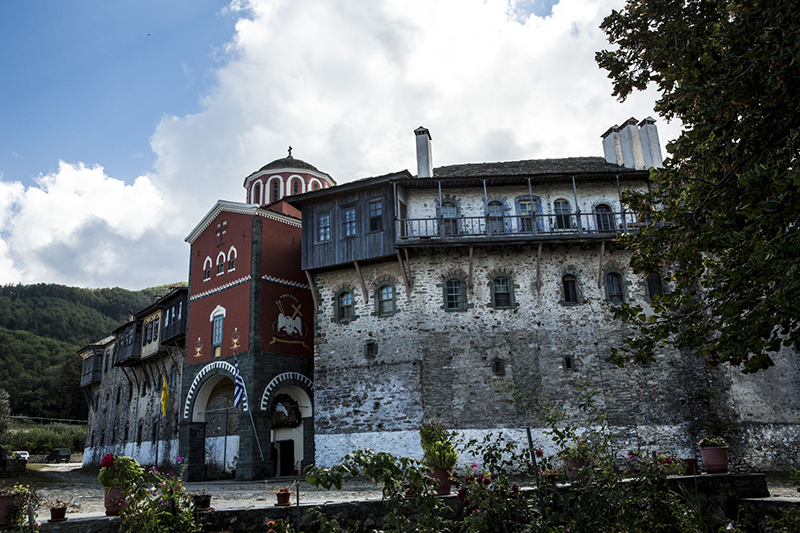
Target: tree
[(728, 197), (5, 412)]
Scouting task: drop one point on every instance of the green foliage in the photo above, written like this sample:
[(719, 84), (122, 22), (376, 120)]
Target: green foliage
[(158, 503), (5, 411), (42, 327), (713, 442), (729, 196), (120, 471), (437, 449), (43, 438), (24, 496)]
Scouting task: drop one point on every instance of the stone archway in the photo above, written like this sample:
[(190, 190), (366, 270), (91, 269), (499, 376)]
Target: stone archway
[(288, 403)]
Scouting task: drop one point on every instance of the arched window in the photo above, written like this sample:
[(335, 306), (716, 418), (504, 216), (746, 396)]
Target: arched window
[(385, 300), (604, 218), (276, 190), (501, 293), (562, 212), (207, 268), (614, 288), (315, 186), (232, 258), (655, 285), (220, 263), (256, 199), (344, 307), (449, 218), (569, 284), (155, 328), (217, 328), (494, 217), (295, 186), (454, 294)]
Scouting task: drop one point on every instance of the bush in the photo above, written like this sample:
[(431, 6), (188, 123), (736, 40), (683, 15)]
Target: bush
[(42, 439)]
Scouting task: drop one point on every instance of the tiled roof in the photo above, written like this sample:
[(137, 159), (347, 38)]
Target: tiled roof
[(289, 162), (531, 167)]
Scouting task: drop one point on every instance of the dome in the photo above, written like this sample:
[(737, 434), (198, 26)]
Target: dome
[(288, 162)]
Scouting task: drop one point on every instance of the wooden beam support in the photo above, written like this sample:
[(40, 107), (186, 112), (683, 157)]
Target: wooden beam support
[(470, 266), (405, 275), (410, 273), (361, 279), (602, 255), (310, 279), (538, 270), (175, 366)]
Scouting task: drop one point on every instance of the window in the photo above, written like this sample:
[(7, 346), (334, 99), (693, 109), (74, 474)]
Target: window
[(295, 186), (655, 285), (207, 268), (220, 263), (148, 336), (603, 215), (276, 190), (376, 215), (569, 363), (139, 433), (614, 288), (371, 349), (315, 186), (454, 295), (256, 199), (385, 300), (498, 367), (155, 432), (323, 227), (449, 219), (501, 293), (526, 216), (344, 307), (232, 253), (166, 318), (561, 209), (216, 337), (127, 427), (155, 328), (570, 289), (494, 217), (119, 392), (349, 221)]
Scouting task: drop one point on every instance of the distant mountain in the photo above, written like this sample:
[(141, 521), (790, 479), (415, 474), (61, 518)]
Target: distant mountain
[(42, 327)]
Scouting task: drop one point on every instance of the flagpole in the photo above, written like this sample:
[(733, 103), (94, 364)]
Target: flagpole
[(249, 410)]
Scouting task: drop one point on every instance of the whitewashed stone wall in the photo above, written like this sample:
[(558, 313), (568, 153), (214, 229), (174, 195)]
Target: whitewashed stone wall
[(433, 364)]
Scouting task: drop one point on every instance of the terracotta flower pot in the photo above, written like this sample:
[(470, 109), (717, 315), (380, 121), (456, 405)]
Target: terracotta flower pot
[(443, 476), (283, 498), (58, 514), (6, 501), (113, 501), (691, 467), (715, 459)]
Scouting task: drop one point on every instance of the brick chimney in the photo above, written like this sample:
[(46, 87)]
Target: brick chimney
[(424, 155)]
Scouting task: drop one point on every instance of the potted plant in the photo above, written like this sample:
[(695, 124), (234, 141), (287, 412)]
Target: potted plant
[(58, 510), (117, 474), (13, 502), (282, 493), (714, 451), (438, 454), (576, 456), (201, 499)]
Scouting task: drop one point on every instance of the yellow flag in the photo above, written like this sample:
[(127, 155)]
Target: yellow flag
[(164, 397)]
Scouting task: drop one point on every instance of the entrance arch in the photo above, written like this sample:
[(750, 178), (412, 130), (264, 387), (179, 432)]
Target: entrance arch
[(287, 401)]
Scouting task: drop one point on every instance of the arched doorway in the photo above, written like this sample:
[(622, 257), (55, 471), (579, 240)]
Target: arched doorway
[(291, 420)]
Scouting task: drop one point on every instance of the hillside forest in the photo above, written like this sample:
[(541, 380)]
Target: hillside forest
[(41, 329)]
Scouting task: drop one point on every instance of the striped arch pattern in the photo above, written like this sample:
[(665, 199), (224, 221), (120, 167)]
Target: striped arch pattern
[(280, 378), (199, 378)]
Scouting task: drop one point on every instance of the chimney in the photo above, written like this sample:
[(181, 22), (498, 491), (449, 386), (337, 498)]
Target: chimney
[(651, 148), (611, 147), (424, 155), (632, 156)]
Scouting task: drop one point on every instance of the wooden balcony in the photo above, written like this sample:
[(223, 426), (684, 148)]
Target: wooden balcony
[(92, 370), (573, 227)]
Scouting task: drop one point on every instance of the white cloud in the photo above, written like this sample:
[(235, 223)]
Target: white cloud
[(345, 84)]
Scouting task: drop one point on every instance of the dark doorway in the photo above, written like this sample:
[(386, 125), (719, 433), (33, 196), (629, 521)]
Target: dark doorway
[(285, 457)]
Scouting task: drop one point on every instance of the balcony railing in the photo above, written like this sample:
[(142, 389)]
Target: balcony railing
[(520, 226)]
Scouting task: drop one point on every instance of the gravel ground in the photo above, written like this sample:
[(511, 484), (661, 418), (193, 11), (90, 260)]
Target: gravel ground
[(73, 482)]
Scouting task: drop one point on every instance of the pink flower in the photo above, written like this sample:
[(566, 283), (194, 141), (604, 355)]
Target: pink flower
[(107, 461), (539, 452)]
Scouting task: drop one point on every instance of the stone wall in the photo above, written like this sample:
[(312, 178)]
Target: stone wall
[(434, 364)]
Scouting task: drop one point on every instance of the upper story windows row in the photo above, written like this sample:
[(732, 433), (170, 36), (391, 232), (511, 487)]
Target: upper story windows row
[(266, 190), (349, 220), (224, 263), (524, 215)]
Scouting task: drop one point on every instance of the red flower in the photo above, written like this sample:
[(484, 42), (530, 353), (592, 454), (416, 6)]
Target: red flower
[(107, 461)]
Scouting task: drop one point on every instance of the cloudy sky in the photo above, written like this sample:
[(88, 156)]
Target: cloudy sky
[(122, 123)]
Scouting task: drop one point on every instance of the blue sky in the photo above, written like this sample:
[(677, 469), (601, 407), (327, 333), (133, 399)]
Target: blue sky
[(90, 80), (122, 123)]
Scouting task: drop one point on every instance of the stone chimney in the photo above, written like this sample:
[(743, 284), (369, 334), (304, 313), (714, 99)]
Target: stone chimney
[(633, 146), (424, 155)]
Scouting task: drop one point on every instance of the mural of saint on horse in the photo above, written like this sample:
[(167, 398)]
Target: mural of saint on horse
[(247, 385)]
